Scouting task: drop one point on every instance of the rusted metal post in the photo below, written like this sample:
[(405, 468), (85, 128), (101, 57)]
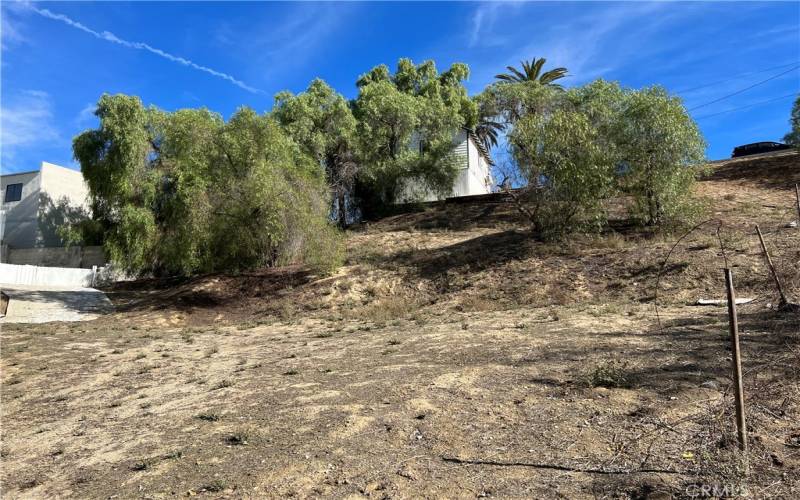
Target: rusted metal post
[(736, 361), (797, 199), (774, 273)]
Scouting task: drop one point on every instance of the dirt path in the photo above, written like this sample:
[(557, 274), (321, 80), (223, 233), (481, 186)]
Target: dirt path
[(40, 304)]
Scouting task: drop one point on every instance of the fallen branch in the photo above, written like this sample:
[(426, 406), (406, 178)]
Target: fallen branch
[(467, 461)]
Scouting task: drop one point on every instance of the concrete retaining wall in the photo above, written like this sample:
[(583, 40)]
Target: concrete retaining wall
[(82, 257), (11, 274)]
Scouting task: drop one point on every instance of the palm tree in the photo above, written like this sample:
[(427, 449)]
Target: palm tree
[(532, 72), (488, 127), (486, 132)]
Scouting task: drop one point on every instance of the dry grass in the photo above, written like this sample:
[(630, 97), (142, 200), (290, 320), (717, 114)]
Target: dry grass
[(449, 334), (386, 309)]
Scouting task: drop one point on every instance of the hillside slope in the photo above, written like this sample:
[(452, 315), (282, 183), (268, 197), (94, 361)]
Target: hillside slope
[(480, 255), (453, 356)]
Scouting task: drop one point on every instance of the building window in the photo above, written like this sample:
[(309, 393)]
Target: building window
[(13, 192)]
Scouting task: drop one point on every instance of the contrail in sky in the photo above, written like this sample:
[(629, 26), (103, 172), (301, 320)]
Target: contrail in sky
[(111, 37)]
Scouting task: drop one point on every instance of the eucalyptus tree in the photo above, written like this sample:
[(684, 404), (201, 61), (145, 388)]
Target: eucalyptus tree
[(661, 150), (406, 124), (321, 121), (577, 148)]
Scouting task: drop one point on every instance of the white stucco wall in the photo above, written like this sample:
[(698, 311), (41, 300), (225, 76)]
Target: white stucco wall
[(19, 221), (59, 182)]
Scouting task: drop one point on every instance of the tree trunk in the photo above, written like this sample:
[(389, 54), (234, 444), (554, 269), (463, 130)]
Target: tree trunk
[(342, 213)]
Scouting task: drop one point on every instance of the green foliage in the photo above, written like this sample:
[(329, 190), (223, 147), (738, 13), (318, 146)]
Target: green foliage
[(507, 102), (113, 162), (268, 195), (793, 136), (322, 123), (406, 124), (532, 72), (561, 154), (659, 146), (490, 121), (576, 148), (187, 192)]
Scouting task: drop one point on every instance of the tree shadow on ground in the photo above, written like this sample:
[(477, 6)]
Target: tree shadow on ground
[(470, 256), (79, 300), (208, 291), (686, 354), (448, 216)]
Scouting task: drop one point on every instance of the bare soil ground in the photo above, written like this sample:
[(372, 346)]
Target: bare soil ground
[(453, 356)]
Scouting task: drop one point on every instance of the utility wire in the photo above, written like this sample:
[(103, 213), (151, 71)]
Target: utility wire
[(735, 77), (747, 106), (745, 89)]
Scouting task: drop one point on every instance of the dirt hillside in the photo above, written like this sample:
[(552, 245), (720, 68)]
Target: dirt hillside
[(452, 356)]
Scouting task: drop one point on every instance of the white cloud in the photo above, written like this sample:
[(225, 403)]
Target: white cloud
[(111, 37), (477, 24), (26, 120), (294, 39), (594, 41), (483, 21), (86, 115), (10, 32)]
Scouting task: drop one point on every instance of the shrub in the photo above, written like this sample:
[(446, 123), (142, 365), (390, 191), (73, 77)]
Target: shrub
[(608, 374), (659, 149), (575, 149), (569, 171), (186, 192)]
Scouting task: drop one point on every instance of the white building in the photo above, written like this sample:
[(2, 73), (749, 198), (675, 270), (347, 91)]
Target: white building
[(474, 174), (28, 198)]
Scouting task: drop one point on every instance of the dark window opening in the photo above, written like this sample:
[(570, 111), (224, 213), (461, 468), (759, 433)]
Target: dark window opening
[(13, 192)]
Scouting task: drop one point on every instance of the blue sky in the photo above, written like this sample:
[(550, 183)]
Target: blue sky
[(59, 57)]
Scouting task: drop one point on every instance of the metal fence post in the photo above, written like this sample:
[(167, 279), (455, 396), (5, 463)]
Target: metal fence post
[(736, 361)]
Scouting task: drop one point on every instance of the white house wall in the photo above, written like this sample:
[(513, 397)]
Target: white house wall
[(60, 182), (19, 223), (19, 219), (482, 181), (473, 175)]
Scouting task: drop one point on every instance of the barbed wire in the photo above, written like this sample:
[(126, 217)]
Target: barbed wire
[(752, 246)]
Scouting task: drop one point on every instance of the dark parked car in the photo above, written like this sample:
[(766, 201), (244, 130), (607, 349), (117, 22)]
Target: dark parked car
[(757, 148)]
